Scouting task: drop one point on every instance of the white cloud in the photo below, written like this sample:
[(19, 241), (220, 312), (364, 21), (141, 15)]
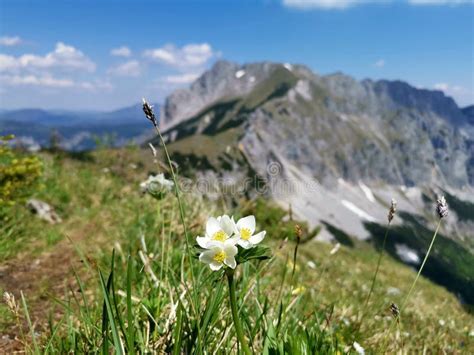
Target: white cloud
[(462, 95), (61, 68), (7, 62), (326, 4), (379, 63), (95, 85), (441, 86), (344, 4), (450, 90), (48, 81), (188, 56), (63, 57), (440, 2), (33, 80), (121, 52), (10, 41), (181, 79), (130, 68)]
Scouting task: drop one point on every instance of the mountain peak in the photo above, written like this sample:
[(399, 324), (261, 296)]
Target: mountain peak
[(224, 79), (371, 130)]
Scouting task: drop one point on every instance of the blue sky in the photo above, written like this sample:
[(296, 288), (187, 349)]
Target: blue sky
[(108, 54)]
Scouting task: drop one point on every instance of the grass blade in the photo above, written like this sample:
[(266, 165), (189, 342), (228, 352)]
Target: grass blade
[(178, 330), (130, 327), (30, 325), (110, 315)]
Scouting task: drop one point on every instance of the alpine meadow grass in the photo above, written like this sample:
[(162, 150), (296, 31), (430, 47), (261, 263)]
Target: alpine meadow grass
[(160, 270)]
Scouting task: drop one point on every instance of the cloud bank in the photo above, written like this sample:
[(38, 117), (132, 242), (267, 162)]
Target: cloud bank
[(62, 57), (123, 51), (189, 56), (344, 4), (131, 68), (10, 41)]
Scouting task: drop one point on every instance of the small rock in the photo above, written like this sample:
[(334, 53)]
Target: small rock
[(44, 211)]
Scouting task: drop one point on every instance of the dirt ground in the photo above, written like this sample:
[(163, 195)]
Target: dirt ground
[(41, 279)]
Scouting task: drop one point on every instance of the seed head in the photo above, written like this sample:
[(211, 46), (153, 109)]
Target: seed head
[(441, 207), (395, 310), (148, 110), (392, 210), (10, 301), (298, 232)]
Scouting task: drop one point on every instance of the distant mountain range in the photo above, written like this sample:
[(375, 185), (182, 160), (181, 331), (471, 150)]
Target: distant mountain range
[(76, 130), (335, 150), (333, 126)]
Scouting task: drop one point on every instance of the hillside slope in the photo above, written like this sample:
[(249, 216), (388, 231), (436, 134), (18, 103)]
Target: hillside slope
[(335, 151), (99, 199)]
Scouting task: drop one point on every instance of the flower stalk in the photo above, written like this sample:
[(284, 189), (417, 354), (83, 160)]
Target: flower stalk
[(442, 211), (391, 214), (421, 268), (150, 115), (235, 313), (372, 286)]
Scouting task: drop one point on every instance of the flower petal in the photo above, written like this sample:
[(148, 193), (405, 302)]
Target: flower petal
[(215, 266), (234, 225), (244, 244), (207, 256), (247, 222), (215, 245), (232, 241), (212, 226), (230, 249), (257, 238), (230, 262), (203, 242), (227, 225)]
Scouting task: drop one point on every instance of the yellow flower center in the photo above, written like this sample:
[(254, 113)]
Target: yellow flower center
[(245, 233), (219, 236), (220, 257)]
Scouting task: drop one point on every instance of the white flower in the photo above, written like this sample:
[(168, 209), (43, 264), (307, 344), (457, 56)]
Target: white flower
[(157, 184), (219, 253), (359, 349), (245, 229), (218, 229)]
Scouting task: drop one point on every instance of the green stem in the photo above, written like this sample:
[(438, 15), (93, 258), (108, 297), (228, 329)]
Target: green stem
[(235, 313), (178, 197), (421, 268), (407, 297), (194, 297), (364, 309), (377, 269)]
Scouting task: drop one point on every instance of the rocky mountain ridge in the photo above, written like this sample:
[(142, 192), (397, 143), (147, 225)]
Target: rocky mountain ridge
[(334, 126), (334, 151)]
